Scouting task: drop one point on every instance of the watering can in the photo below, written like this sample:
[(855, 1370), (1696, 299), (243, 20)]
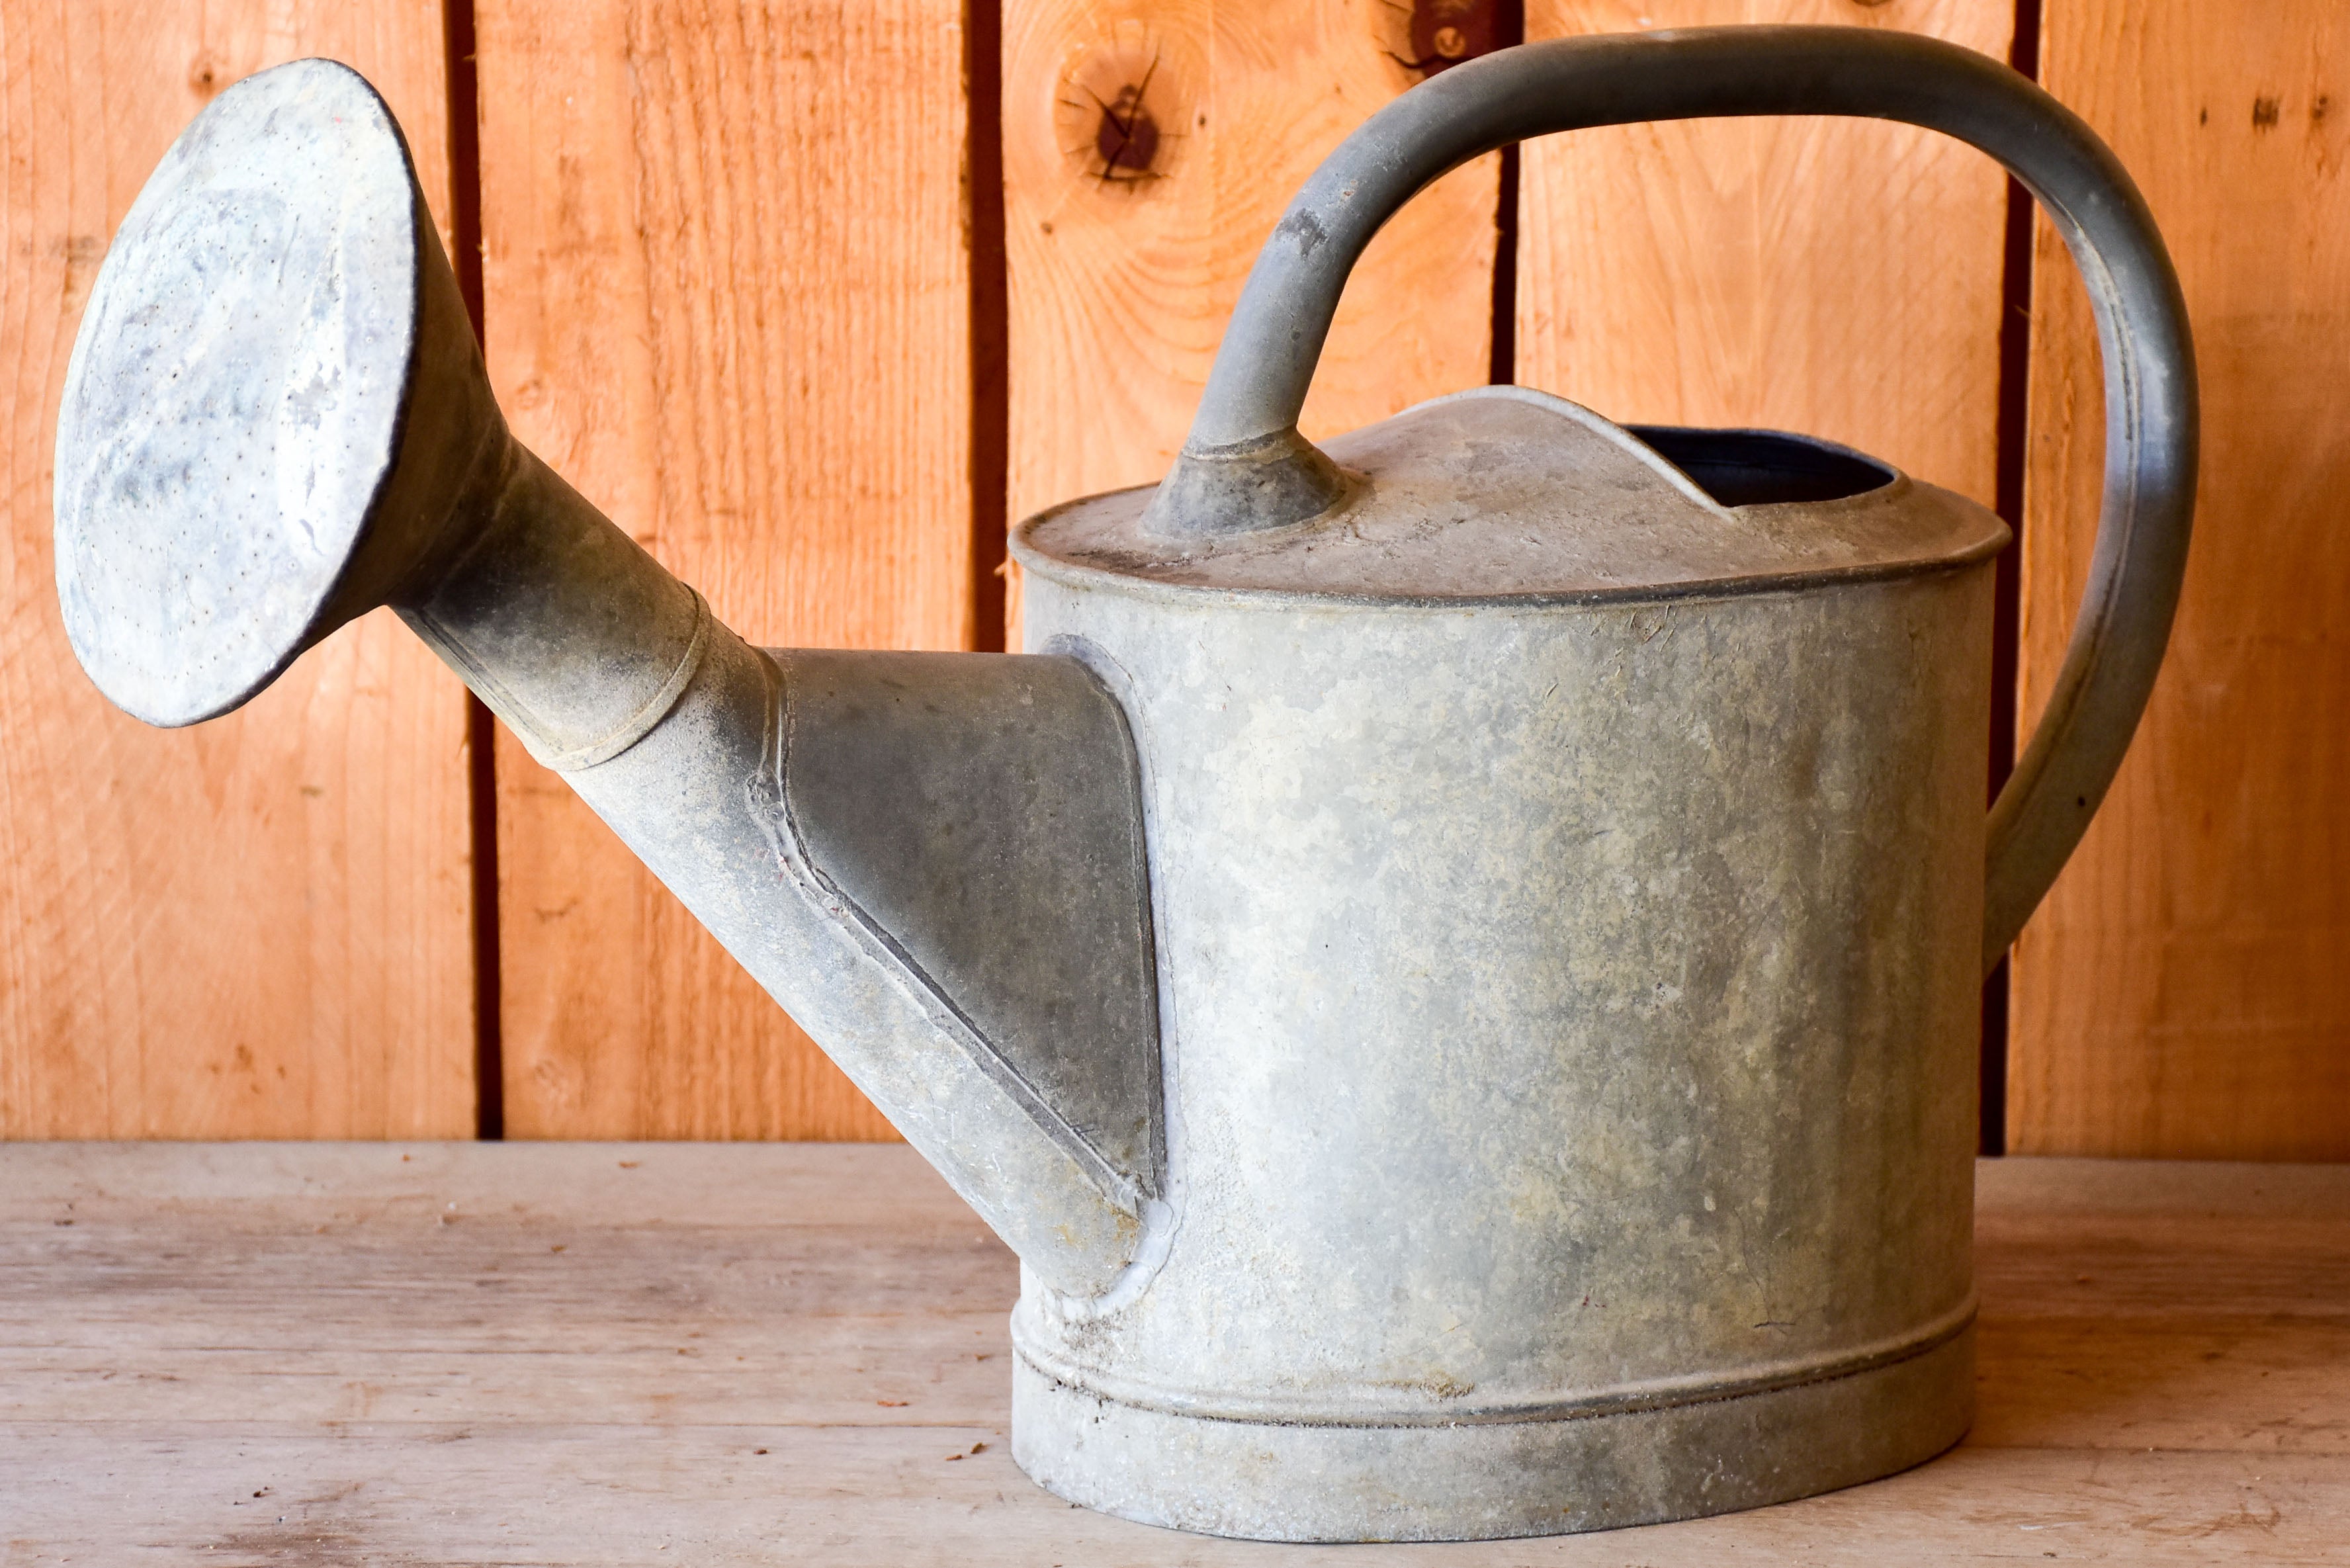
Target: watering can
[(1453, 957)]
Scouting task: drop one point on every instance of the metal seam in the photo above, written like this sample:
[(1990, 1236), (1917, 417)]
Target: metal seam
[(1708, 590), (1119, 1189), (1629, 1400), (640, 723)]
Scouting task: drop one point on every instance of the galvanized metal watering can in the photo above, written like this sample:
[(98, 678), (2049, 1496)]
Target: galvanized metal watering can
[(1453, 960)]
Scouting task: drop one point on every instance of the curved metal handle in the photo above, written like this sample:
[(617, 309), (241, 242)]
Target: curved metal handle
[(1245, 466)]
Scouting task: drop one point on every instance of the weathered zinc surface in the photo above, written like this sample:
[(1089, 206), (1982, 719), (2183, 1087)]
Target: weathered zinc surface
[(1570, 883), (251, 349), (328, 442), (1569, 996), (1454, 962)]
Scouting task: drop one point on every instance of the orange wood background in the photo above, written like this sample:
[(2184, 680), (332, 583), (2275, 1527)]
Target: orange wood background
[(725, 291), (1837, 278), (260, 927), (2187, 989), (750, 280)]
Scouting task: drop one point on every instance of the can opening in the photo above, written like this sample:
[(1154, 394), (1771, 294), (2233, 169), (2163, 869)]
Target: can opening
[(1763, 468)]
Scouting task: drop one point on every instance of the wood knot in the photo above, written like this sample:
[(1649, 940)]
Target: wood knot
[(1121, 114), (1127, 140)]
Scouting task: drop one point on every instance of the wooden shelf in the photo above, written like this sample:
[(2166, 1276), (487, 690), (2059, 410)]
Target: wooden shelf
[(747, 1354)]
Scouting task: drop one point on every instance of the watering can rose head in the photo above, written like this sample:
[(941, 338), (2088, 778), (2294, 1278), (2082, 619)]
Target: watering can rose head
[(1453, 960)]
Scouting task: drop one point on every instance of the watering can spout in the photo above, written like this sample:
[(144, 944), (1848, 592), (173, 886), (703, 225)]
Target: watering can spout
[(277, 419)]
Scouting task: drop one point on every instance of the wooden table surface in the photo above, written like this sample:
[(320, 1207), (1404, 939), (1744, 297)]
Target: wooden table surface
[(339, 1354)]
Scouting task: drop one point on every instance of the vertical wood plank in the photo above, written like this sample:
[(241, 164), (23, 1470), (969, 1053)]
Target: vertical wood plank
[(258, 928), (2186, 990), (1125, 252), (1835, 277), (725, 286)]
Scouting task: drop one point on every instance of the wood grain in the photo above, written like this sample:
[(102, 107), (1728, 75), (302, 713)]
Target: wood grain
[(682, 1282), (609, 1354), (1121, 275), (1835, 278), (260, 927), (2186, 990), (726, 294), (586, 1496)]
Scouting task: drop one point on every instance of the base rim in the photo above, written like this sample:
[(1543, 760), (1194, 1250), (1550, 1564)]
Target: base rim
[(1269, 1482)]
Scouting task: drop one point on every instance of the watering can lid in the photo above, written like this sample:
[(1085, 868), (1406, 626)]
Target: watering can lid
[(1502, 492)]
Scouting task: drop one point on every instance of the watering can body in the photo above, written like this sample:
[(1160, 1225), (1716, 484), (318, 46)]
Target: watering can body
[(1453, 956), (1570, 1005), (1572, 883)]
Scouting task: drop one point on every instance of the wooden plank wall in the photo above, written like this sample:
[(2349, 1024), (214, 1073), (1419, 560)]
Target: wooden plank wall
[(1837, 278), (260, 927), (730, 289), (2186, 991), (724, 293)]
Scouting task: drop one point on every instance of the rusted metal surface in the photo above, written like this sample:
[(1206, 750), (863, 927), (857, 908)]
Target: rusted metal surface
[(1442, 34)]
